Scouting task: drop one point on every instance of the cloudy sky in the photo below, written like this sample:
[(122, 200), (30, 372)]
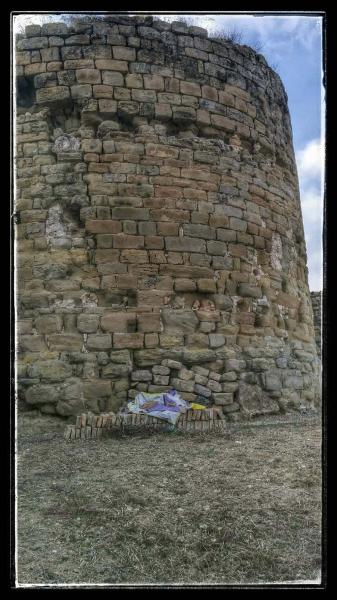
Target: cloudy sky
[(292, 45)]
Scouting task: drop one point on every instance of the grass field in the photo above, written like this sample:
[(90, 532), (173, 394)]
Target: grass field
[(238, 507)]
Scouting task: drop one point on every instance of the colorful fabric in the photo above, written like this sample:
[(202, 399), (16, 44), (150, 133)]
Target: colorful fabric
[(167, 406)]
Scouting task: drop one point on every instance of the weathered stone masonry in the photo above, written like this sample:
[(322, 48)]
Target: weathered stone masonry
[(316, 301), (159, 240)]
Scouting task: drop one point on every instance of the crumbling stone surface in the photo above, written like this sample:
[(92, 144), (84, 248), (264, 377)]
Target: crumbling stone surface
[(159, 237), (316, 301)]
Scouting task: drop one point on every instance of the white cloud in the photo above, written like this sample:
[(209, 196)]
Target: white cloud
[(312, 207), (310, 166), (315, 266), (309, 160)]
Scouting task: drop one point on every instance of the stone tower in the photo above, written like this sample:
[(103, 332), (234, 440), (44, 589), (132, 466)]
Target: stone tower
[(159, 232)]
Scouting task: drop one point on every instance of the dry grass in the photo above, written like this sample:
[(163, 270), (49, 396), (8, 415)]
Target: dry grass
[(239, 507)]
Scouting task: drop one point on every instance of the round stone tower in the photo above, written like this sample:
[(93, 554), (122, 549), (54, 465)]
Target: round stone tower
[(160, 240)]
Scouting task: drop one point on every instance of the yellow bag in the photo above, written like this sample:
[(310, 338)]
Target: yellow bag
[(197, 406)]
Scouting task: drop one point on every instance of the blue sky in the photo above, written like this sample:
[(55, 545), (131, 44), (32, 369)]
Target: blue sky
[(292, 45)]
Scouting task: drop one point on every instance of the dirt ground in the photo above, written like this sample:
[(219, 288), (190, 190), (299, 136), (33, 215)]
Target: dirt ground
[(242, 506)]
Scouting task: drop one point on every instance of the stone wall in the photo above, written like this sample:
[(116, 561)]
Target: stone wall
[(159, 232), (316, 300)]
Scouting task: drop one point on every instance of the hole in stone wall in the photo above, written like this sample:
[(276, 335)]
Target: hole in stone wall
[(57, 119), (131, 296), (68, 119), (284, 284), (72, 214), (25, 91), (119, 299)]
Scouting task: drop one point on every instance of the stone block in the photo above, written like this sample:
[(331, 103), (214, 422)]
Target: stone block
[(107, 64), (183, 244), (50, 370), (120, 356), (183, 113), (33, 43), (99, 341), (293, 382), (250, 291), (200, 231), (143, 95), (287, 300), (207, 286), (202, 390), (104, 240), (161, 379), (154, 82), (215, 386), (119, 322), (126, 282), (91, 76), (81, 91), (179, 320), (134, 80), (184, 285), (141, 375), (123, 53), (216, 248), (182, 385), (171, 364), (128, 109), (65, 342), (160, 370), (148, 322), (172, 339), (201, 379), (223, 399), (55, 28), (234, 364), (103, 226), (237, 224), (42, 394), (52, 94), (192, 89), (128, 340), (128, 212), (108, 106), (112, 78), (128, 241), (271, 382), (134, 256), (87, 323), (197, 355), (48, 324), (230, 386), (216, 340), (148, 357), (96, 388), (32, 343), (254, 401), (163, 111), (151, 340)]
